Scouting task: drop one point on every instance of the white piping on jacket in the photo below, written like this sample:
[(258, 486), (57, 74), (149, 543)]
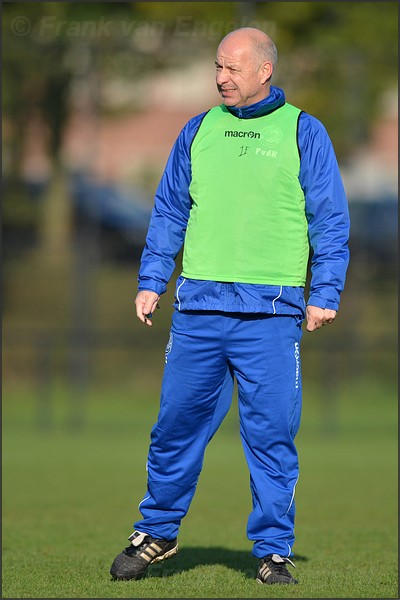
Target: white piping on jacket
[(273, 301), (177, 294)]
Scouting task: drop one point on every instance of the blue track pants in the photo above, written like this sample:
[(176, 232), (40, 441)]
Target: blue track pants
[(205, 352)]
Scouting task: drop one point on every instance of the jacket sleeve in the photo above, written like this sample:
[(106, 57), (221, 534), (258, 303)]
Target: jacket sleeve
[(326, 211), (169, 216)]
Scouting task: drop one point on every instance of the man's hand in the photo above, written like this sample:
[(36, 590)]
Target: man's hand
[(317, 317), (146, 304)]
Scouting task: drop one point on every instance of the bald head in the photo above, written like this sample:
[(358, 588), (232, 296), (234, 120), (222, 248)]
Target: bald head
[(257, 42), (246, 58)]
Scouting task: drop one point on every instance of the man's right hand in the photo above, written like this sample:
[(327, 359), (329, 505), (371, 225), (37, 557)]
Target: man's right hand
[(146, 304)]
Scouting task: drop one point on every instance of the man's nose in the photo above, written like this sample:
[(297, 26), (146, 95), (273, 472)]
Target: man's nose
[(222, 76)]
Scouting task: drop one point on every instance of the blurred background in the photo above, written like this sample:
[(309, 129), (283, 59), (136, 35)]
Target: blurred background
[(94, 95)]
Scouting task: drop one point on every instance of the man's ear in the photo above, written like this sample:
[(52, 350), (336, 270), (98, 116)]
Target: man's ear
[(266, 71)]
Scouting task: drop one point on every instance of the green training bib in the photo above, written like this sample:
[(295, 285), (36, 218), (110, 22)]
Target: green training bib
[(247, 222)]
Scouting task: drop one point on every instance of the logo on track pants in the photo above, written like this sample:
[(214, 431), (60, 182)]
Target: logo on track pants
[(169, 347)]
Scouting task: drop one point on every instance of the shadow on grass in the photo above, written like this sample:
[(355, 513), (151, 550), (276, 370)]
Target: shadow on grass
[(190, 558)]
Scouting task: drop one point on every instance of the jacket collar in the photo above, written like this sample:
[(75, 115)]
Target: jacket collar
[(274, 100)]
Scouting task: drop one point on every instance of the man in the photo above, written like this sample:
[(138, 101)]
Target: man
[(247, 187)]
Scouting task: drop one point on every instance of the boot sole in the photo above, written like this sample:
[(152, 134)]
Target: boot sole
[(168, 554), (294, 582)]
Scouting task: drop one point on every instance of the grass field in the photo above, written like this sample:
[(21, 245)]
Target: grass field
[(69, 500)]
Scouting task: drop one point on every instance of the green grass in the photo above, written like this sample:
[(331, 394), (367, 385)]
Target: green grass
[(69, 500)]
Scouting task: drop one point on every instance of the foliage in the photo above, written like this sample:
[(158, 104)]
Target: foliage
[(337, 58)]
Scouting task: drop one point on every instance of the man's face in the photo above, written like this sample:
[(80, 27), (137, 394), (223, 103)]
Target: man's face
[(239, 75)]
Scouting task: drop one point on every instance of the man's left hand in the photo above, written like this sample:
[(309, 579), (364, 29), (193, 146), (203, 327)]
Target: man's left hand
[(317, 317)]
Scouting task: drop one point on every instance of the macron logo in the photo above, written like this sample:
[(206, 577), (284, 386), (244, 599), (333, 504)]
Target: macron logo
[(249, 134)]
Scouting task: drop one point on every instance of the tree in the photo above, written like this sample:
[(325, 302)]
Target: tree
[(335, 58)]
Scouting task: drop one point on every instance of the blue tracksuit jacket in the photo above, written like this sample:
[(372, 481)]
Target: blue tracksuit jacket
[(326, 211)]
